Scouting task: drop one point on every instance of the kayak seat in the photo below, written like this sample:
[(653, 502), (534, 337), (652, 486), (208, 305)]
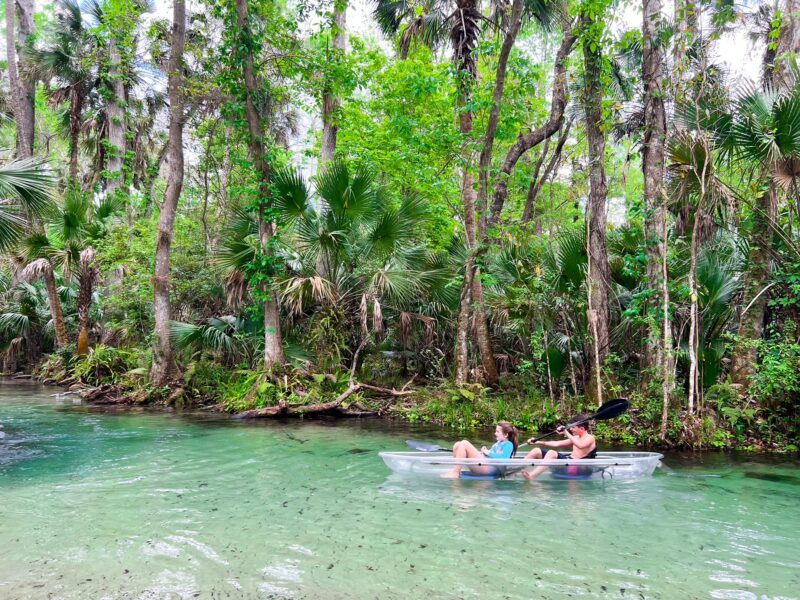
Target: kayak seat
[(574, 472)]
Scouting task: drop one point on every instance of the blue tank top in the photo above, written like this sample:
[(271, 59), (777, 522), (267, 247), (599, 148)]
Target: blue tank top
[(501, 450)]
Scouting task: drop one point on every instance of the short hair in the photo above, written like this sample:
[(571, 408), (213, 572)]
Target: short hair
[(586, 421)]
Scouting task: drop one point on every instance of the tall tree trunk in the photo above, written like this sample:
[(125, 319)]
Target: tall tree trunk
[(658, 351), (273, 347), (599, 276), (23, 87), (756, 278), (11, 54), (694, 316), (165, 369), (115, 112), (464, 38), (330, 100), (479, 211)]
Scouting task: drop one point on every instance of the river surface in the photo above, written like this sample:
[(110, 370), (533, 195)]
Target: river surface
[(118, 505)]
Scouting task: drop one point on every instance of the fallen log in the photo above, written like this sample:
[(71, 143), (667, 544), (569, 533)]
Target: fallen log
[(334, 406)]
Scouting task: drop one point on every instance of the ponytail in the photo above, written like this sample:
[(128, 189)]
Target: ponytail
[(512, 433)]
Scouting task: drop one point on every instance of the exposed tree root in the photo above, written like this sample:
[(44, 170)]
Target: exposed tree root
[(332, 407)]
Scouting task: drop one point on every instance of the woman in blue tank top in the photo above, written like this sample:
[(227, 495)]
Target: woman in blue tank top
[(506, 445)]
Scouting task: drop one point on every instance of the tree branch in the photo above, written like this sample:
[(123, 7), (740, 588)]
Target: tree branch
[(526, 141)]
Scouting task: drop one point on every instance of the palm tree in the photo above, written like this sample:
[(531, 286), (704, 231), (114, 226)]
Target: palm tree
[(67, 59), (88, 273), (765, 132), (25, 188), (25, 323), (698, 195), (353, 251), (71, 229)]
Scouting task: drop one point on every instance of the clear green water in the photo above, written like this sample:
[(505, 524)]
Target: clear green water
[(118, 505)]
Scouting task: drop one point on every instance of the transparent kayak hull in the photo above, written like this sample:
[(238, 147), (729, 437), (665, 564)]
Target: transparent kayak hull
[(607, 465)]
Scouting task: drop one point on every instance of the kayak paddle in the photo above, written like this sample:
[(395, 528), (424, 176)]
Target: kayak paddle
[(424, 447), (609, 410)]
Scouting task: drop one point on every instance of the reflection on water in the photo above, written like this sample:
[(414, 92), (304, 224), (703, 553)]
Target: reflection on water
[(149, 505)]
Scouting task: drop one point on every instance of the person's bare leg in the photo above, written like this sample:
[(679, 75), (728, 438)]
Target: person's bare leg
[(464, 449), (551, 455)]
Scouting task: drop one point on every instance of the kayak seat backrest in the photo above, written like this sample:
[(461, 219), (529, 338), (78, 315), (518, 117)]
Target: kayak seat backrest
[(468, 475)]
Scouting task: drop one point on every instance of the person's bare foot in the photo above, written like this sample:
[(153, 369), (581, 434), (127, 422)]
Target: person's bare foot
[(451, 475), (527, 475)]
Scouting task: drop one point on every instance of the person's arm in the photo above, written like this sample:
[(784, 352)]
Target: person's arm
[(586, 442), (505, 450), (557, 444)]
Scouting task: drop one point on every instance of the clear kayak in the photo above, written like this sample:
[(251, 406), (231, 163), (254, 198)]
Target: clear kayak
[(607, 465)]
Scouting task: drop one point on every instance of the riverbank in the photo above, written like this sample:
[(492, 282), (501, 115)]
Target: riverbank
[(109, 376)]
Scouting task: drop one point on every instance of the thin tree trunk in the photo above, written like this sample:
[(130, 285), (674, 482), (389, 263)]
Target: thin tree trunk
[(165, 370), (330, 101), (658, 350), (75, 110), (273, 347), (694, 325), (115, 111), (668, 385), (599, 277), (464, 37), (485, 160), (62, 339), (538, 182)]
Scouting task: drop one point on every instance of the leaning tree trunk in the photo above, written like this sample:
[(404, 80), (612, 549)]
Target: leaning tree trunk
[(273, 347), (49, 276), (23, 86), (165, 369), (115, 112), (658, 351), (598, 277), (464, 38), (330, 100)]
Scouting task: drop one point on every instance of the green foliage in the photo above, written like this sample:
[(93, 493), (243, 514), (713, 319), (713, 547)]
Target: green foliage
[(104, 364), (777, 378)]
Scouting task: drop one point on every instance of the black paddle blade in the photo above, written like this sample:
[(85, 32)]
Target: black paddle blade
[(611, 409), (426, 447)]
